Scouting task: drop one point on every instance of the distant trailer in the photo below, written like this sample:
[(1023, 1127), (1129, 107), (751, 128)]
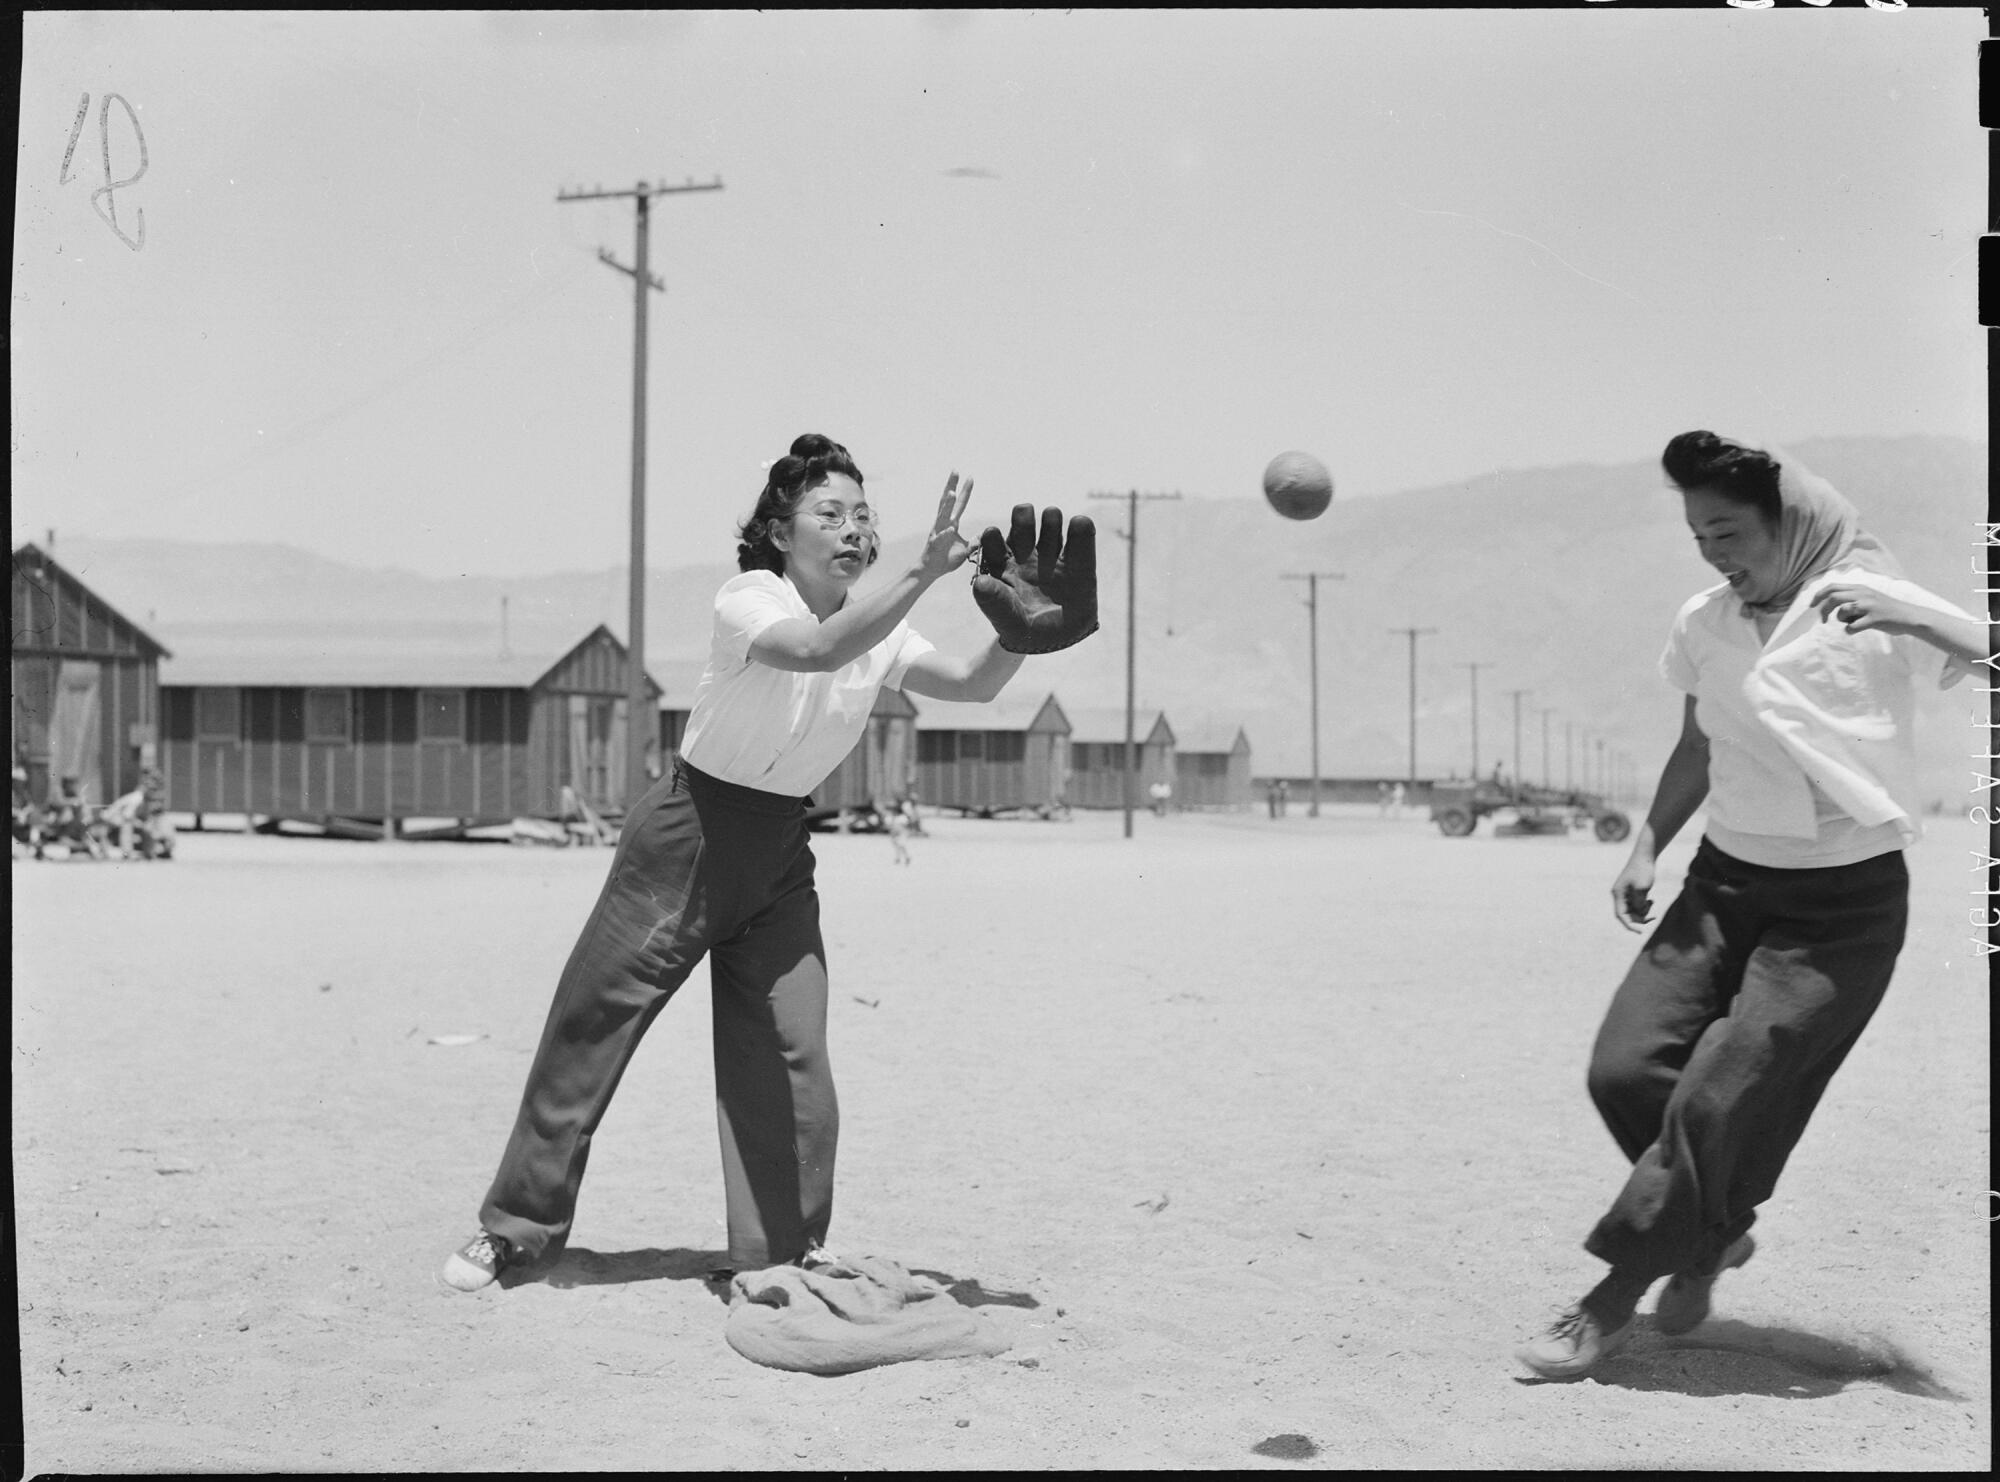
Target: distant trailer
[(1009, 756), (1212, 766), (1097, 757), (1458, 805), (86, 684), (358, 742)]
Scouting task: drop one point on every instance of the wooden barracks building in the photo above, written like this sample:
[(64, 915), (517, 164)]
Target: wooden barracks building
[(359, 736), (362, 740), (86, 684), (1011, 755), (1097, 756), (1211, 766)]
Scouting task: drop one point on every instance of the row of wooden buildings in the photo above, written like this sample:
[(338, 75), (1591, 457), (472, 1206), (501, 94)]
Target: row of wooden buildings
[(365, 736), (1030, 754)]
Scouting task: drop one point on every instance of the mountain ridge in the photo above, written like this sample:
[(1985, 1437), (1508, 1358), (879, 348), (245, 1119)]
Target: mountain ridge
[(1558, 582)]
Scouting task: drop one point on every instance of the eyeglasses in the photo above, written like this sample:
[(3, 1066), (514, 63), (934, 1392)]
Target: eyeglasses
[(832, 516)]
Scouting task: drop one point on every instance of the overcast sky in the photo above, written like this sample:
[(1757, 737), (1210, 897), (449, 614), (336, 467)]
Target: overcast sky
[(1058, 252)]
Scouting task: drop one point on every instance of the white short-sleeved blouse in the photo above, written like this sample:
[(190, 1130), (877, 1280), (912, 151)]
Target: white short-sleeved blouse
[(1811, 760), (775, 729)]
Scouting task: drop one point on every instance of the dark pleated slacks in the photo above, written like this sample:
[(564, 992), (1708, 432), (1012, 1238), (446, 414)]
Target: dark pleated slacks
[(1722, 1038), (702, 867)]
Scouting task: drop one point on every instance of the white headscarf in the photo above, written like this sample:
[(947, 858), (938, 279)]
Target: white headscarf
[(1817, 530)]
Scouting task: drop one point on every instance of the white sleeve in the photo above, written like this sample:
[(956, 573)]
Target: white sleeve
[(744, 609), (909, 646), (1676, 667)]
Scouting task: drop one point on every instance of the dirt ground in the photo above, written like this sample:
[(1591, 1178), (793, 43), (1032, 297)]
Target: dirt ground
[(1244, 1129)]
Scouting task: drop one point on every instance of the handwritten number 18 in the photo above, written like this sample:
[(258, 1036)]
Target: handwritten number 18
[(107, 211)]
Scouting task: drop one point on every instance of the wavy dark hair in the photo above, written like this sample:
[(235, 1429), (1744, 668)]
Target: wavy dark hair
[(812, 460), (1742, 475)]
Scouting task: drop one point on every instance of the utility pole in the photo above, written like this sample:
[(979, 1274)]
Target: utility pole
[(1519, 780), (1475, 668), (1414, 635), (1312, 579), (1130, 535), (642, 723), (1546, 713)]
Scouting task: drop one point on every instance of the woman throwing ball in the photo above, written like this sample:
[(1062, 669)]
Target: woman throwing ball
[(714, 860), (1800, 670)]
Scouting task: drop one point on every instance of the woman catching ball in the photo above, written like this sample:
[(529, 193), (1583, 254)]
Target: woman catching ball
[(715, 861)]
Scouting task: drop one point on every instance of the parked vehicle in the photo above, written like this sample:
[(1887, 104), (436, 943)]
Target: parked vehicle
[(1457, 806)]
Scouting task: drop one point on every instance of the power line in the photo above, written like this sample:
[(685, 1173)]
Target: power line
[(285, 441)]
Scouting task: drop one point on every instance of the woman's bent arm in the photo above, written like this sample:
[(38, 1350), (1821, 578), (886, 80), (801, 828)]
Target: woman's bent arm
[(818, 648), (1859, 608)]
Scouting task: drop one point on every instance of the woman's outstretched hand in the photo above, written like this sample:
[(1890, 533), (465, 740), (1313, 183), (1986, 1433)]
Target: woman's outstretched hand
[(947, 550)]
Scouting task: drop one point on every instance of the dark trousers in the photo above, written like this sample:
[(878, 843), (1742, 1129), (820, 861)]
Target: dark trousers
[(702, 866), (1721, 1039)]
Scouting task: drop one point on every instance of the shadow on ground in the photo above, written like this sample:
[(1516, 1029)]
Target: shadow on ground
[(968, 1291), (1735, 1358), (579, 1266)]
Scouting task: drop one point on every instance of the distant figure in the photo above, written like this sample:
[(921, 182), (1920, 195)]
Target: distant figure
[(1284, 797), (120, 817), (140, 819), (70, 823), (1382, 798), (1271, 798), (1396, 797), (897, 822), (1161, 793), (156, 829)]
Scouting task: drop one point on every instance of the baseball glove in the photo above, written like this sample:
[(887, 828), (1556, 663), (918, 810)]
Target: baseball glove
[(1040, 595)]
